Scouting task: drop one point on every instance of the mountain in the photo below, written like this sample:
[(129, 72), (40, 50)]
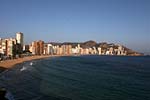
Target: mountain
[(104, 46), (88, 44)]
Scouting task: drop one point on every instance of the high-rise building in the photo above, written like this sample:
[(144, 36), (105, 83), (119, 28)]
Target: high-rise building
[(120, 50), (38, 47), (8, 47), (26, 48), (99, 50), (45, 49), (41, 46), (3, 46), (32, 48), (19, 37), (50, 49), (111, 51), (19, 45), (68, 49), (11, 47)]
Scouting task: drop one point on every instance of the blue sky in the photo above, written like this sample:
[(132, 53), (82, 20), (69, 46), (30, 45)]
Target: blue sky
[(124, 22)]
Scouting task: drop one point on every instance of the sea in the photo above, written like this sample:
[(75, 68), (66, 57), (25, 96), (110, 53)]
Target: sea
[(80, 78)]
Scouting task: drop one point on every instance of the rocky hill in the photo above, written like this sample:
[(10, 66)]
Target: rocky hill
[(104, 45)]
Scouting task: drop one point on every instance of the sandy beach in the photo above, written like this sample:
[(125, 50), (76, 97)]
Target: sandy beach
[(10, 63)]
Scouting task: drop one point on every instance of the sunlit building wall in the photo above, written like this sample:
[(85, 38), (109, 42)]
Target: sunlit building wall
[(19, 37), (99, 50)]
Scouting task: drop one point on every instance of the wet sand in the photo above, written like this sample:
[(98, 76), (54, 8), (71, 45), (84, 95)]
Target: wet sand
[(10, 63)]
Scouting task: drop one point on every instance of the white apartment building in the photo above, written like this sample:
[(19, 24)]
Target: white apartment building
[(19, 37), (99, 50)]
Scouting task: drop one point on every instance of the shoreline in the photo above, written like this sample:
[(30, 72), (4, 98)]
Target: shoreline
[(10, 63), (7, 64)]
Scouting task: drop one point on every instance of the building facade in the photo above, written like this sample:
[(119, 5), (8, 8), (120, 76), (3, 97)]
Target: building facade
[(37, 47), (19, 37)]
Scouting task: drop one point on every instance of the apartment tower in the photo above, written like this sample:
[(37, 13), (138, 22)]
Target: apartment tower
[(19, 37)]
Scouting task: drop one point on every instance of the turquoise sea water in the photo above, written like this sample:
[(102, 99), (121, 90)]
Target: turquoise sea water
[(80, 78)]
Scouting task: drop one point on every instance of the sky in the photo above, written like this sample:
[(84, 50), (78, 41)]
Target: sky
[(125, 22)]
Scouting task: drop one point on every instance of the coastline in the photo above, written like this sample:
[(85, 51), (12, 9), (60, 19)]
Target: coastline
[(10, 63), (7, 64)]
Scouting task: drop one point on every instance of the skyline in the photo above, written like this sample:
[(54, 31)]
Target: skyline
[(124, 22)]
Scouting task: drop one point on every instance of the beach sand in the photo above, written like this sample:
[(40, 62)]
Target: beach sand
[(10, 63)]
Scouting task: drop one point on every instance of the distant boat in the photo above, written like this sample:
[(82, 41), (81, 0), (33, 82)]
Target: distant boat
[(23, 68)]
